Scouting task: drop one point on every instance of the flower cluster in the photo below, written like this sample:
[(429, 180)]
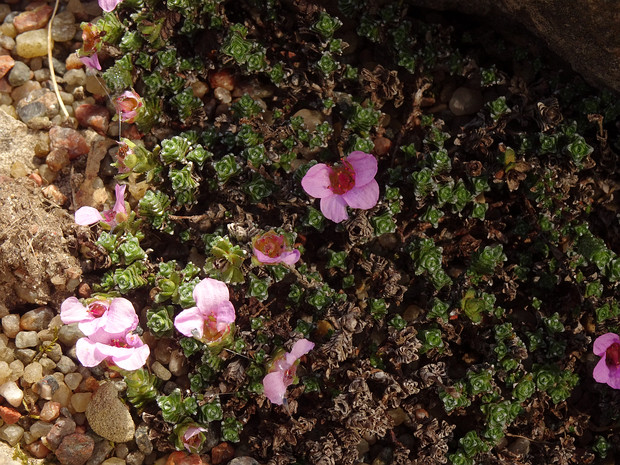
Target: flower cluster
[(271, 248), (350, 184), (212, 320), (109, 329), (88, 215), (283, 371)]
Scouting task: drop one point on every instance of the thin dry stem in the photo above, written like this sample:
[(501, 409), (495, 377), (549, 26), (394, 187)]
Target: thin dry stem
[(51, 65)]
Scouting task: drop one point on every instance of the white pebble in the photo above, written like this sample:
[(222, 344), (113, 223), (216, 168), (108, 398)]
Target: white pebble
[(10, 325), (11, 433), (5, 372), (73, 380), (33, 372), (12, 393), (26, 339)]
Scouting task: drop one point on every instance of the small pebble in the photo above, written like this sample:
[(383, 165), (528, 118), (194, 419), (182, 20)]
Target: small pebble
[(5, 372), (243, 461), (75, 449), (47, 364), (37, 319), (114, 461), (5, 9), (80, 400), (121, 450), (465, 101), (9, 415), (102, 450), (11, 433), (66, 365), (38, 450), (161, 371), (32, 19), (91, 116), (223, 95), (10, 325), (62, 395), (27, 89), (62, 427), (50, 411), (135, 458), (63, 26), (12, 393), (6, 61), (33, 372), (52, 350), (25, 339), (142, 439), (47, 387), (31, 44), (69, 139), (16, 368), (40, 428), (222, 453), (68, 334), (20, 74), (178, 363), (73, 380)]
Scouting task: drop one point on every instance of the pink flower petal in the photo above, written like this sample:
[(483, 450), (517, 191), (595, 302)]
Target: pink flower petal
[(119, 206), (225, 313), (91, 62), (301, 347), (365, 167), (316, 181), (274, 387), (334, 208), (603, 342), (121, 317), (109, 5), (87, 352), (209, 293), (87, 215), (290, 258), (72, 311), (363, 197), (131, 358), (613, 377), (190, 322), (601, 371), (266, 259), (89, 328)]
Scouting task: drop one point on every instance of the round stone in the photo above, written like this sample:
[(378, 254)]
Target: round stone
[(37, 319), (20, 74), (465, 101), (33, 373), (75, 449), (108, 416), (25, 339), (63, 27), (32, 44)]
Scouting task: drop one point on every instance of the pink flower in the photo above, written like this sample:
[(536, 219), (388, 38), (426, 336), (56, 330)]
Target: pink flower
[(212, 319), (109, 5), (282, 372), (193, 439), (127, 105), (89, 215), (116, 316), (350, 184), (607, 370), (115, 342), (91, 62), (271, 248)]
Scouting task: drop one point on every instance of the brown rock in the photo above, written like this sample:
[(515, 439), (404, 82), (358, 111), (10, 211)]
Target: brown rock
[(37, 319), (73, 62), (183, 458), (34, 19), (93, 116), (57, 159), (222, 453), (69, 139), (53, 193), (9, 415), (382, 146), (38, 450), (6, 63), (75, 449), (63, 427), (50, 411), (223, 78), (583, 32)]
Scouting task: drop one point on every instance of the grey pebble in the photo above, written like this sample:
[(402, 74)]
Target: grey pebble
[(25, 355), (142, 439), (61, 428), (31, 111), (26, 339), (20, 74), (66, 365), (69, 334), (243, 461), (135, 458), (101, 451)]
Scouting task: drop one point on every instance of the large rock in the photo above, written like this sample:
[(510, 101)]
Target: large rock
[(108, 416), (586, 33)]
